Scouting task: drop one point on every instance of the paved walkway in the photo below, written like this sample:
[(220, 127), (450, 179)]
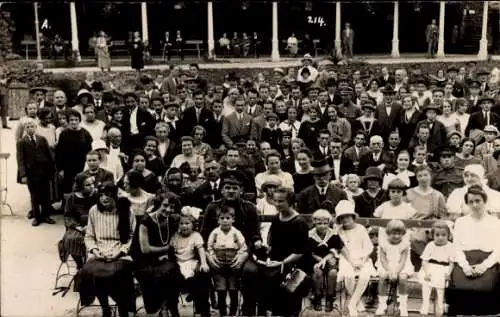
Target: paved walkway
[(288, 62)]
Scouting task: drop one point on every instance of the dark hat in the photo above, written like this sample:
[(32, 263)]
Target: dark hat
[(97, 86), (452, 68), (373, 173), (437, 89), (482, 71), (346, 91), (286, 133), (108, 188), (446, 152), (146, 80), (397, 184), (108, 96), (369, 103), (232, 177), (474, 84), (421, 81), (312, 87), (496, 154), (388, 90), (320, 166), (130, 94), (441, 83), (485, 98), (432, 106), (172, 104), (331, 82), (34, 90), (272, 115)]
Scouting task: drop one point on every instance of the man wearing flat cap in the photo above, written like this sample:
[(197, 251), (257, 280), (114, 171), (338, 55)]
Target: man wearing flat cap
[(313, 197), (447, 177), (39, 95), (246, 220), (487, 147)]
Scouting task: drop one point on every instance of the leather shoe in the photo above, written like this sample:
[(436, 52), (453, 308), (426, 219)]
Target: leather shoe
[(49, 220), (30, 214), (36, 222)]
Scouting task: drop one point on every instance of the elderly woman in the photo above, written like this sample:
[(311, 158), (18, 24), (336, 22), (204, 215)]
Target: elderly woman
[(153, 268), (108, 271), (474, 285), (473, 175), (76, 212), (201, 148), (288, 243)]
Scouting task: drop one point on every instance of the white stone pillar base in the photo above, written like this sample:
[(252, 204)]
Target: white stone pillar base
[(440, 49), (275, 53), (395, 48), (338, 48), (483, 49)]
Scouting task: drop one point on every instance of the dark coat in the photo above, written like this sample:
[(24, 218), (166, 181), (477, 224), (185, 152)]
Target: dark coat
[(368, 161), (309, 199), (389, 122), (189, 120), (346, 166), (478, 121), (204, 195), (365, 204), (34, 160), (406, 128)]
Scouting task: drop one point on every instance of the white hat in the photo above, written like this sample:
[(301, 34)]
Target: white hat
[(476, 169), (307, 57), (99, 145), (491, 128), (343, 208)]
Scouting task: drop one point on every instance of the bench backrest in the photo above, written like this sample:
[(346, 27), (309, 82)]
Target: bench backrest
[(118, 43), (28, 42)]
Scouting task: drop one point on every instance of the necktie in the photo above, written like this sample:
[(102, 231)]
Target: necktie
[(32, 139), (487, 116), (197, 115)]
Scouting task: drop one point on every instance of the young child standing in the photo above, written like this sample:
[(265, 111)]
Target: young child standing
[(394, 266), (224, 244), (271, 132), (190, 255), (356, 261), (325, 246), (437, 264)]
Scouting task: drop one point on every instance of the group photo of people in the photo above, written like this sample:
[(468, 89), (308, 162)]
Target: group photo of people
[(248, 195)]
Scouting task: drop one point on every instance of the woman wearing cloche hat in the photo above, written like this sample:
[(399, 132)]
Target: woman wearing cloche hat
[(358, 245)]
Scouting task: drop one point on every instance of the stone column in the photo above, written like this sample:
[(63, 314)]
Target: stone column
[(483, 43), (144, 22), (37, 33), (338, 26), (395, 31), (275, 53), (75, 43), (211, 43), (440, 48)]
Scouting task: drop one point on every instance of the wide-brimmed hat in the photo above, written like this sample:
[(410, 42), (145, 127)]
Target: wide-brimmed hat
[(388, 90), (279, 70), (432, 106), (346, 91), (447, 152), (320, 166), (474, 84), (345, 208), (83, 93), (373, 173), (99, 145), (454, 132), (369, 104), (35, 89), (452, 68), (484, 99), (482, 71)]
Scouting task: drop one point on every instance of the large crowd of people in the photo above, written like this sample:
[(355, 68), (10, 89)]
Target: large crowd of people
[(167, 185)]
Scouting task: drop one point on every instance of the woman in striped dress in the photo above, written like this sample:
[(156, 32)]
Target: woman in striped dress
[(76, 214), (108, 271)]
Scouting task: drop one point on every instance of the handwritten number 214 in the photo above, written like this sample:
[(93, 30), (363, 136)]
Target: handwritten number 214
[(316, 20)]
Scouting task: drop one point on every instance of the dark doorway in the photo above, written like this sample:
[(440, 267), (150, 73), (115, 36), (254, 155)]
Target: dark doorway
[(413, 20)]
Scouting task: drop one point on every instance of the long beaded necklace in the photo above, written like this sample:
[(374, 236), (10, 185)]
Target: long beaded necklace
[(160, 231)]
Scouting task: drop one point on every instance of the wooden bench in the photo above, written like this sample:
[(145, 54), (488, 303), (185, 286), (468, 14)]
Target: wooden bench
[(119, 46), (29, 45), (197, 48), (315, 44)]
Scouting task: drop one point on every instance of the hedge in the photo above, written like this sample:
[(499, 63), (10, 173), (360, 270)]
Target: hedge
[(32, 74)]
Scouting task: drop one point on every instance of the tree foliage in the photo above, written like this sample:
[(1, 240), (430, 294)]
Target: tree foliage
[(6, 32)]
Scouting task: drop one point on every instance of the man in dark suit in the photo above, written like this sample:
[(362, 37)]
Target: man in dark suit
[(388, 112), (236, 126), (482, 118), (358, 150), (458, 87), (437, 131), (36, 167), (314, 197), (40, 97), (197, 115), (210, 190), (141, 121), (170, 82), (340, 164), (386, 78), (322, 151), (259, 122), (376, 157), (214, 131), (195, 70), (174, 124)]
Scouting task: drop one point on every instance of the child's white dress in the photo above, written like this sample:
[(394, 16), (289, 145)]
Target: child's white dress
[(186, 252), (267, 209), (439, 257), (388, 211), (359, 246), (393, 253)]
